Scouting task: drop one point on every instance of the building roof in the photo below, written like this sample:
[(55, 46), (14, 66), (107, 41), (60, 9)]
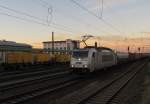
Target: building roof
[(55, 42), (11, 43), (62, 41)]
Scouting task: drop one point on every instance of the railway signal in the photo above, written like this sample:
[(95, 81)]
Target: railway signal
[(139, 49), (128, 49)]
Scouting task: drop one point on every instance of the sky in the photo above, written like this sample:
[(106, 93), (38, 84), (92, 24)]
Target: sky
[(122, 23)]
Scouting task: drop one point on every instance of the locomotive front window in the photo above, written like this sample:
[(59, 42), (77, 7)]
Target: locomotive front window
[(80, 54)]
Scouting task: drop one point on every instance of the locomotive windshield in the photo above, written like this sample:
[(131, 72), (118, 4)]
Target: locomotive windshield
[(80, 54)]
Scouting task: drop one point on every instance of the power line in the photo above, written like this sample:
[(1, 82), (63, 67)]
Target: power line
[(19, 12), (23, 13), (45, 4), (42, 21), (49, 10), (102, 8), (84, 8), (49, 6), (33, 21)]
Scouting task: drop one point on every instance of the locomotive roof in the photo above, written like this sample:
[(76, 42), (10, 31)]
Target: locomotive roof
[(98, 48), (92, 47)]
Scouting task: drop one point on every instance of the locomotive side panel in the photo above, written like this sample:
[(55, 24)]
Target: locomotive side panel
[(2, 57), (108, 58)]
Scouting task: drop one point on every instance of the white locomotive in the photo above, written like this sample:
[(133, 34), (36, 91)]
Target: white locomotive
[(90, 59)]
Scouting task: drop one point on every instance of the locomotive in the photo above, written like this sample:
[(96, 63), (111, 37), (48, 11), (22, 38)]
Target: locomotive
[(93, 58)]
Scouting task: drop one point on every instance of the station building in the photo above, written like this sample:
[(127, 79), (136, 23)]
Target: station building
[(61, 46)]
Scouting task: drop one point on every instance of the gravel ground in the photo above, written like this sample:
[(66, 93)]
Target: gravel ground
[(146, 86), (132, 92)]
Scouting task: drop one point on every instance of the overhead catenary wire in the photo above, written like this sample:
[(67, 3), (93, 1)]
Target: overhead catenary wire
[(98, 16), (23, 13), (45, 4), (19, 12), (101, 19), (102, 8), (49, 10), (42, 21), (37, 19), (37, 22)]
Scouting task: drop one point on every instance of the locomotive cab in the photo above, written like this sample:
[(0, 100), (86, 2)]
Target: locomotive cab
[(83, 60), (79, 59)]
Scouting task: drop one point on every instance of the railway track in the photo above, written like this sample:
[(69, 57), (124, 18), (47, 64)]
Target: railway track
[(28, 69), (101, 92), (16, 76), (108, 94), (22, 91), (24, 88), (26, 93), (79, 83)]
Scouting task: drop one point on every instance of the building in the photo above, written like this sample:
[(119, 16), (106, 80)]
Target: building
[(66, 45), (13, 46)]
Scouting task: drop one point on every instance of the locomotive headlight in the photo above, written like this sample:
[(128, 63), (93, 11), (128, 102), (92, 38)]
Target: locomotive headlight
[(85, 66)]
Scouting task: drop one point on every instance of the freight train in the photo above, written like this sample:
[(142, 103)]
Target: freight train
[(18, 54), (31, 58), (90, 59)]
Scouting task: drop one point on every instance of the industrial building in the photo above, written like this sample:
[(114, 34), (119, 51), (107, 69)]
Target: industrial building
[(66, 45), (13, 46)]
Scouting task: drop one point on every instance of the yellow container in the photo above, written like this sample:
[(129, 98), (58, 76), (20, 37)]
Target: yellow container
[(41, 57), (18, 57), (62, 58)]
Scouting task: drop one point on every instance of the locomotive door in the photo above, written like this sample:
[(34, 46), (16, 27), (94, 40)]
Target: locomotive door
[(93, 62)]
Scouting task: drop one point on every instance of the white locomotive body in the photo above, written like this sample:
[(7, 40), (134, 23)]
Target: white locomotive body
[(91, 59)]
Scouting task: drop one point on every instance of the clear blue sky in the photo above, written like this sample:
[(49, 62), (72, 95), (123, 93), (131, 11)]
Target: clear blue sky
[(130, 17)]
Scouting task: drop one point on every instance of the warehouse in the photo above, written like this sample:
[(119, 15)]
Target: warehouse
[(11, 52), (13, 46)]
